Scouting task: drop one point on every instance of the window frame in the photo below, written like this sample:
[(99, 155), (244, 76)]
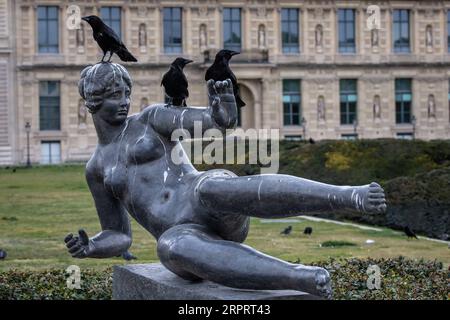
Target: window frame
[(172, 47), (344, 47), (401, 48), (111, 21), (349, 120), (50, 143), (289, 104), (290, 47), (448, 31), (49, 105), (47, 20), (232, 46), (400, 109)]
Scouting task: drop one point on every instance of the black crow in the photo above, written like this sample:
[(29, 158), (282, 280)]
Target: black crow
[(409, 232), (220, 71), (287, 230), (2, 254), (311, 141), (108, 40), (128, 256), (308, 231), (175, 82)]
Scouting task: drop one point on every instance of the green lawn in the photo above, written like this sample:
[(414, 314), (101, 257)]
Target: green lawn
[(49, 202)]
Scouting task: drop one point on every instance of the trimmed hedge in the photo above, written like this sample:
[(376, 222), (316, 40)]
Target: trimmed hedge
[(401, 278), (52, 285), (353, 162)]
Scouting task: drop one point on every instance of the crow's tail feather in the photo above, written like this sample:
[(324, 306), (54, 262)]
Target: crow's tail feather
[(239, 102), (125, 55)]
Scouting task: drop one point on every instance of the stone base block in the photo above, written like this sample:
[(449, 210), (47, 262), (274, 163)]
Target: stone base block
[(155, 282)]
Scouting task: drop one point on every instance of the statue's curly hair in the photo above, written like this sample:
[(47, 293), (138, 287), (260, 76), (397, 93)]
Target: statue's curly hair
[(98, 78)]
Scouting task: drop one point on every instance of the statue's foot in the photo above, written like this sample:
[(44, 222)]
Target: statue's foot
[(314, 280), (369, 198)]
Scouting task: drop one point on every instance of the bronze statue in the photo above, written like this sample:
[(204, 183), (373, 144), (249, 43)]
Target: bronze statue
[(199, 219)]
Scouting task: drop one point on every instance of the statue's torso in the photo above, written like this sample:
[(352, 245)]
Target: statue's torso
[(137, 169)]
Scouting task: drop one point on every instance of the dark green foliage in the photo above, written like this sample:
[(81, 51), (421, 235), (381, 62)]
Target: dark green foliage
[(337, 244), (401, 278), (354, 162), (51, 285)]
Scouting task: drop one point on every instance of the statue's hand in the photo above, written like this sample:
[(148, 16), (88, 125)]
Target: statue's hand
[(222, 102), (78, 246)]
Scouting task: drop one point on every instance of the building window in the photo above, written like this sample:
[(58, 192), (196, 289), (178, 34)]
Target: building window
[(349, 136), (172, 30), (49, 105), (401, 30), (293, 138), (112, 16), (289, 30), (50, 152), (403, 98), (404, 136), (232, 29), (448, 30), (348, 100), (291, 102), (346, 30), (48, 35)]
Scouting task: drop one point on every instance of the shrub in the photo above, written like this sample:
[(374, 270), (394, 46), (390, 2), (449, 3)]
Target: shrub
[(337, 244), (401, 278), (52, 285)]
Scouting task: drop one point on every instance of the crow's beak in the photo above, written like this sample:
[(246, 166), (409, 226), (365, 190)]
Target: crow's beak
[(188, 61), (85, 19), (233, 53)]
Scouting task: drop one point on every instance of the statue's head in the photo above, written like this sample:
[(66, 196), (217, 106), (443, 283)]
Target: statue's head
[(106, 89)]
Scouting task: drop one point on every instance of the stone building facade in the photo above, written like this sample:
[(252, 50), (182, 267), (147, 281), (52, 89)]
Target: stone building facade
[(314, 69)]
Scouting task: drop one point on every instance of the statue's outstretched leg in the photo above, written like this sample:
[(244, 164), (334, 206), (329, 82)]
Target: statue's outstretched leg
[(278, 195), (192, 252)]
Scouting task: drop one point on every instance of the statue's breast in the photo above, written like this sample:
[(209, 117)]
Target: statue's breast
[(145, 149)]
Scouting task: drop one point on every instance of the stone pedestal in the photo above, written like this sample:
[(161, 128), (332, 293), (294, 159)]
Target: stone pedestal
[(154, 282)]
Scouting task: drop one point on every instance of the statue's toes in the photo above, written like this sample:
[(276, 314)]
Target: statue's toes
[(376, 200), (323, 284)]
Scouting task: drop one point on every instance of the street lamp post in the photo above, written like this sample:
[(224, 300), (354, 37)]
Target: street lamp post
[(303, 124), (413, 121), (28, 130)]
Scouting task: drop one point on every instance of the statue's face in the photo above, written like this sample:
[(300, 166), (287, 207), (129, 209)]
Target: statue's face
[(116, 104)]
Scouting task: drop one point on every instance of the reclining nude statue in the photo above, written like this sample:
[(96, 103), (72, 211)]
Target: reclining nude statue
[(199, 219)]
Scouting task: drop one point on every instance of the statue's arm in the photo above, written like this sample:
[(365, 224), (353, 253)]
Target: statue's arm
[(115, 237), (221, 113)]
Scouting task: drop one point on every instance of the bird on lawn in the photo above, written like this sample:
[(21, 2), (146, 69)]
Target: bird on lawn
[(286, 231), (220, 71), (2, 254), (108, 40), (175, 82), (409, 232), (308, 231), (311, 141)]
